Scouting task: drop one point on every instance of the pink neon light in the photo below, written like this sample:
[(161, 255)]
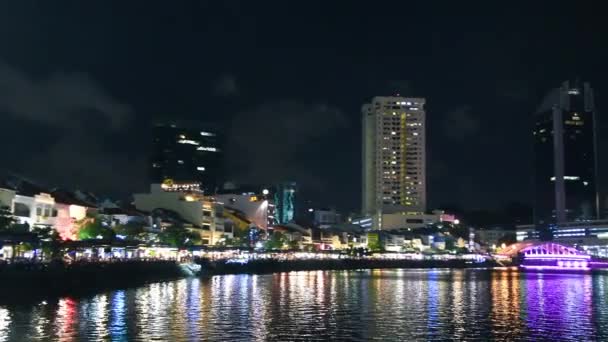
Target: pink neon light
[(556, 256), (537, 267)]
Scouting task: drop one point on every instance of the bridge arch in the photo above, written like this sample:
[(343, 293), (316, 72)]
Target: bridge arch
[(551, 249)]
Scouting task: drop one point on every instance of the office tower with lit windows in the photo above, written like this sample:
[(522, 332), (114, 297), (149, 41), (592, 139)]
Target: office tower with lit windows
[(565, 156), (394, 156), (187, 152)]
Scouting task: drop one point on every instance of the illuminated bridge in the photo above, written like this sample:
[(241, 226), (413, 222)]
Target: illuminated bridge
[(551, 255)]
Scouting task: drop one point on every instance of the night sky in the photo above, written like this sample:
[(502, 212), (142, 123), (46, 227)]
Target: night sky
[(80, 82)]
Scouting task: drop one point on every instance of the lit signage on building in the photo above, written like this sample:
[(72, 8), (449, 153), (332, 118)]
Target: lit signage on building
[(187, 141), (567, 178), (207, 148), (170, 185)]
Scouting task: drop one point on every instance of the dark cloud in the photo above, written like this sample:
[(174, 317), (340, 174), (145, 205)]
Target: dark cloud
[(59, 99), (283, 140), (226, 85), (460, 123), (514, 91), (78, 125), (80, 159)]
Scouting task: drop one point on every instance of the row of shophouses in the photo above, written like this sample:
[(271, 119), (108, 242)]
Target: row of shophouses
[(62, 210), (215, 218)]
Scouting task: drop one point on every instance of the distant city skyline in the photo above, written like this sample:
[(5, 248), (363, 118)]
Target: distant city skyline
[(288, 90)]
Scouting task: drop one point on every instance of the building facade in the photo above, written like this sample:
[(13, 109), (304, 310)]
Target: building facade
[(565, 150), (394, 156), (203, 212), (325, 218), (285, 202), (410, 220), (186, 152), (60, 210), (254, 207)]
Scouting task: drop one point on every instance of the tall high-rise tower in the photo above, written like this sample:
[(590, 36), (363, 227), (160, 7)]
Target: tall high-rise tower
[(565, 151), (394, 155), (186, 152)]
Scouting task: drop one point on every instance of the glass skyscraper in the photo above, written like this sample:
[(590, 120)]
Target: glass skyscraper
[(186, 152), (565, 149)]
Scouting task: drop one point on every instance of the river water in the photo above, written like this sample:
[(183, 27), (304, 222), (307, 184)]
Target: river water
[(386, 305)]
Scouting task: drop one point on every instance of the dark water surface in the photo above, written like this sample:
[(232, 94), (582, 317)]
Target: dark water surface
[(383, 305)]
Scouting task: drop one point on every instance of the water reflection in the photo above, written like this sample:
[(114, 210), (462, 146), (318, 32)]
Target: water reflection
[(5, 322), (343, 305), (506, 312), (559, 306), (66, 320)]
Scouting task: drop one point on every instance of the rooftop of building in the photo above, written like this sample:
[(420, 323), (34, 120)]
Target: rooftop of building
[(240, 189), (187, 124), (26, 187), (398, 97), (552, 97), (70, 198), (292, 227), (123, 211), (23, 187)]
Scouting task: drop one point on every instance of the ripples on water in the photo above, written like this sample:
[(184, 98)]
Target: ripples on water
[(340, 305)]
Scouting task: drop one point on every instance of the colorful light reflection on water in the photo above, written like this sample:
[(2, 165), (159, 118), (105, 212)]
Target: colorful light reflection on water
[(344, 305)]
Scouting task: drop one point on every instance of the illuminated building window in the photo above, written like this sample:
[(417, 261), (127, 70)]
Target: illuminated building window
[(186, 141), (207, 148), (567, 178), (575, 123)]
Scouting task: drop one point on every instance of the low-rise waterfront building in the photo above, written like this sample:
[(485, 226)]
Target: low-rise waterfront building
[(294, 232), (325, 218), (203, 212), (70, 210), (491, 236), (255, 207), (407, 220)]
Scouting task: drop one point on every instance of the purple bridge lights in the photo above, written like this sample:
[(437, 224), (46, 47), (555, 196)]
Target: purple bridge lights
[(555, 256)]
